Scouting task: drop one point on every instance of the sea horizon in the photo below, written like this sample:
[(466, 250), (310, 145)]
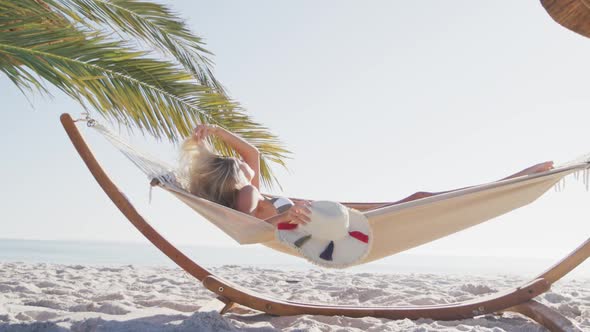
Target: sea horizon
[(100, 252)]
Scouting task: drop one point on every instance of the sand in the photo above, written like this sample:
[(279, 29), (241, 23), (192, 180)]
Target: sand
[(55, 297)]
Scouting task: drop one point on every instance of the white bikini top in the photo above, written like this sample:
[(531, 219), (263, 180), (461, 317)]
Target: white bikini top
[(282, 204)]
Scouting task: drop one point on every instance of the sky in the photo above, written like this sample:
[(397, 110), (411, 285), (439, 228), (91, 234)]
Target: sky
[(375, 100)]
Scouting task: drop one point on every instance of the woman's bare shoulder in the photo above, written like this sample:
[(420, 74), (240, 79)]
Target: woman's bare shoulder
[(247, 199)]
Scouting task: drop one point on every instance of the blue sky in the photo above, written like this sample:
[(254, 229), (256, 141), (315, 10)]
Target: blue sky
[(376, 101)]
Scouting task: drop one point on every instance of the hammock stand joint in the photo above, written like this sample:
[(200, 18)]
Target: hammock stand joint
[(519, 300)]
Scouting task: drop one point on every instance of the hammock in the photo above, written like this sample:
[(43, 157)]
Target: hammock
[(394, 227)]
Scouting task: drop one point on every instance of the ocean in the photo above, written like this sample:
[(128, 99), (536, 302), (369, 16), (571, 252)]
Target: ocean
[(145, 254)]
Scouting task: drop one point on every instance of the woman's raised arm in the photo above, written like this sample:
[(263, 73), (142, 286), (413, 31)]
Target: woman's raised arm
[(247, 151)]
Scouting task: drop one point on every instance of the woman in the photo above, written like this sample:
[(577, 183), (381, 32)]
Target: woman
[(235, 182)]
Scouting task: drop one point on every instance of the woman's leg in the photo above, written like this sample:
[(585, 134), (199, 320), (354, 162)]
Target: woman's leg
[(538, 168)]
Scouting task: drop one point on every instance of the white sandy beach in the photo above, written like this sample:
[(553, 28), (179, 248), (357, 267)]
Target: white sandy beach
[(56, 297)]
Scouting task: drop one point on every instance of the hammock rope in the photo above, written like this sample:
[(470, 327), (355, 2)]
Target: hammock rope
[(151, 166)]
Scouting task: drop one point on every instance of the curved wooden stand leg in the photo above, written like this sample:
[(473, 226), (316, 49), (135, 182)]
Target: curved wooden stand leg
[(567, 264), (545, 316), (477, 307)]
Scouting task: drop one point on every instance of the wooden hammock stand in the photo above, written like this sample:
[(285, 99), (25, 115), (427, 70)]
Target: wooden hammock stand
[(519, 299)]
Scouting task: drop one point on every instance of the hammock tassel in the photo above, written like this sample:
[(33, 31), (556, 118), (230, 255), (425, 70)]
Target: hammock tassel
[(359, 236), (286, 226), (327, 253), (301, 241)]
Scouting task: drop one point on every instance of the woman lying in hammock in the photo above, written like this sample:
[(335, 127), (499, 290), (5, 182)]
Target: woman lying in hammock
[(235, 182)]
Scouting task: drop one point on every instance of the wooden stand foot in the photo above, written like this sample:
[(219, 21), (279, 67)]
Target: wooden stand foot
[(545, 316)]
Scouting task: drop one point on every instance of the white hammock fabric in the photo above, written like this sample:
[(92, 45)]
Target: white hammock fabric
[(394, 228)]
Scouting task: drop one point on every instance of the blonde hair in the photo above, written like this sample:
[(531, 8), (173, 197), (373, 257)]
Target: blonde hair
[(208, 175)]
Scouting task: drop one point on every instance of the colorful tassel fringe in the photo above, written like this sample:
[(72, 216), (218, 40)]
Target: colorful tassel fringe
[(286, 226), (327, 253), (302, 241), (359, 236)]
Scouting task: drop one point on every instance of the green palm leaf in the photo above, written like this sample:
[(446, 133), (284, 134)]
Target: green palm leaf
[(122, 84), (150, 22)]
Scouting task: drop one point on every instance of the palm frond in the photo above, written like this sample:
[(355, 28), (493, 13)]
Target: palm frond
[(153, 23), (122, 84)]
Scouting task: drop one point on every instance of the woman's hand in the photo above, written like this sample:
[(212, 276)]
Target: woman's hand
[(298, 213), (202, 131)]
